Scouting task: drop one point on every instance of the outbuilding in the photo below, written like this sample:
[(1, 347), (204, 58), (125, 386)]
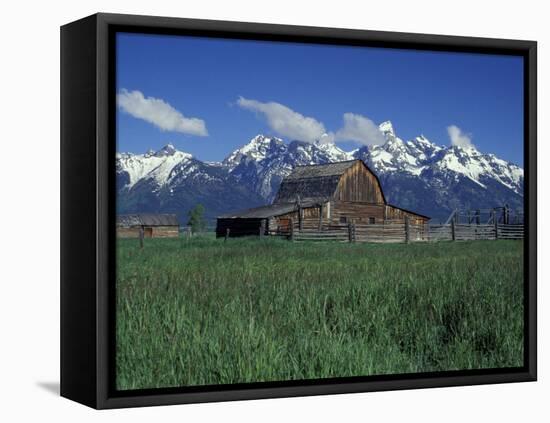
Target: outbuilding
[(152, 225)]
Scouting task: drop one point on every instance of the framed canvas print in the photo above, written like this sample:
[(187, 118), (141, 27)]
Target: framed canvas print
[(254, 211)]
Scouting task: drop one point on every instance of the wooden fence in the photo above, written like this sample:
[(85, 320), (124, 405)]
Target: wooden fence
[(469, 232), (510, 231), (405, 232), (461, 232)]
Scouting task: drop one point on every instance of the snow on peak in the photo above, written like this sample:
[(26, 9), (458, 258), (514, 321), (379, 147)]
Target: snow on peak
[(259, 142), (156, 165), (257, 149), (260, 139), (422, 147), (167, 150), (387, 128), (479, 167), (334, 152), (421, 139), (418, 154), (393, 143)]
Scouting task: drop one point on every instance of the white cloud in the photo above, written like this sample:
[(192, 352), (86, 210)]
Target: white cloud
[(285, 121), (159, 113), (459, 138), (327, 138), (293, 125), (360, 129)]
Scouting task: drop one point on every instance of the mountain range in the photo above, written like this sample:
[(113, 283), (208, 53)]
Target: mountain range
[(417, 174)]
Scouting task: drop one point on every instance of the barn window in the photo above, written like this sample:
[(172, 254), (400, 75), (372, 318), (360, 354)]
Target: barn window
[(343, 219), (372, 220)]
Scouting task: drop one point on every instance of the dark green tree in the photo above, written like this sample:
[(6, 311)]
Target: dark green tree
[(196, 219)]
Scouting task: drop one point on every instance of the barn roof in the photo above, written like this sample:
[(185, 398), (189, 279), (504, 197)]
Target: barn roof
[(315, 182), (409, 211), (320, 170), (264, 212), (147, 219)]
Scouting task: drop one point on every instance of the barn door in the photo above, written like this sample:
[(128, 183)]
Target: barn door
[(148, 232)]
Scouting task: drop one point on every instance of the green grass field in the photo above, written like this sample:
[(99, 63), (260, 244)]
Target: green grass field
[(204, 311)]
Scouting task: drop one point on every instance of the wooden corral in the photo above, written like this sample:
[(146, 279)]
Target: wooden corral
[(409, 232), (147, 225), (502, 214), (316, 196)]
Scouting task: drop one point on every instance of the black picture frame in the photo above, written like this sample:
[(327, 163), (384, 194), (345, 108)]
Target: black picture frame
[(88, 209)]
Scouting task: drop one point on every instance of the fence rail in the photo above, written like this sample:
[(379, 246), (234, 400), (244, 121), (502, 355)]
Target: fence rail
[(510, 231), (405, 232)]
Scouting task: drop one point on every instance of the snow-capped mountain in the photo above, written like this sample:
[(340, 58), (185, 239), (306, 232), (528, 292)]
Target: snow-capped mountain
[(396, 155), (172, 181), (421, 155), (263, 162), (158, 166), (416, 174), (433, 179)]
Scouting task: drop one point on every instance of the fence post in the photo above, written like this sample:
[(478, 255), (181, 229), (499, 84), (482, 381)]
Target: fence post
[(321, 217), (407, 230), (453, 230), (496, 227), (262, 228), (506, 214), (425, 231), (227, 230), (350, 232), (141, 236), (291, 229)]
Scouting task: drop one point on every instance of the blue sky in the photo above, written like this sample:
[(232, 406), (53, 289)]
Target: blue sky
[(210, 96)]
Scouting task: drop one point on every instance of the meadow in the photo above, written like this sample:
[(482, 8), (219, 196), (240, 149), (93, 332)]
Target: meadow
[(202, 311)]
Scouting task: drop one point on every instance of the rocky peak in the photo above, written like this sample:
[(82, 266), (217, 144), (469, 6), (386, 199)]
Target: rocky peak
[(167, 150), (387, 128)]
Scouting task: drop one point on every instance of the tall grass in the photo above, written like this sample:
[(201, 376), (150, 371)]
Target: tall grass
[(204, 311)]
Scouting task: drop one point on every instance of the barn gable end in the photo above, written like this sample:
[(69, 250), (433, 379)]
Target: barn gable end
[(359, 184)]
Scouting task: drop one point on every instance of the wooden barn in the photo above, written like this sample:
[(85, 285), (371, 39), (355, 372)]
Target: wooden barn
[(153, 225), (316, 196)]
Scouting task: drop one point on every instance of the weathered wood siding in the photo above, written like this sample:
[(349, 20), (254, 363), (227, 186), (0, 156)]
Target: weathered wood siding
[(352, 211), (122, 232), (165, 231), (310, 217), (393, 213), (356, 212), (152, 231), (360, 185), (280, 223)]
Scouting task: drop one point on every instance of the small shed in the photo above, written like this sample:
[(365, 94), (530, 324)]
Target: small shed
[(152, 225), (259, 219)]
